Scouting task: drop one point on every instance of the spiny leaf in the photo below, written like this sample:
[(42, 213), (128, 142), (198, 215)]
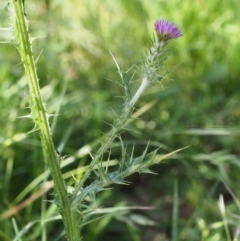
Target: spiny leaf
[(162, 157)]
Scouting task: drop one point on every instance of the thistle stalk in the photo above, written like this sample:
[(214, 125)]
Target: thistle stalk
[(151, 67), (68, 205), (40, 118)]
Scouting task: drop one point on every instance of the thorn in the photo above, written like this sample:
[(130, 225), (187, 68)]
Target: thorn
[(6, 29), (25, 116), (34, 38), (33, 130), (106, 169), (35, 62), (107, 124), (19, 63), (5, 42), (91, 155), (52, 115), (132, 152), (115, 61), (73, 177), (82, 214), (114, 112)]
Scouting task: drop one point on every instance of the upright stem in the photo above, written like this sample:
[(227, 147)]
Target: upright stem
[(109, 138), (39, 116)]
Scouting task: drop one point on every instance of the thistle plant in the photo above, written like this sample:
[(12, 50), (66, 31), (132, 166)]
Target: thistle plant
[(74, 206)]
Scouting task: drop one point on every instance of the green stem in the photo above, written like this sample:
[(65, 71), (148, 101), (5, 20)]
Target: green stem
[(148, 78), (109, 138), (40, 118)]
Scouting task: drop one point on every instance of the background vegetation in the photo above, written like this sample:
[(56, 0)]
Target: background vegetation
[(199, 106)]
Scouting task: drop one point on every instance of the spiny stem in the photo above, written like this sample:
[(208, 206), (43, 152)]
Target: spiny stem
[(109, 138), (39, 116)]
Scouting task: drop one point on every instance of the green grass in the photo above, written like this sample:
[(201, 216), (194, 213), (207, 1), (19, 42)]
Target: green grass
[(199, 107)]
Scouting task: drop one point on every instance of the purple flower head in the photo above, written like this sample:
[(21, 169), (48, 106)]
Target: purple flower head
[(166, 30)]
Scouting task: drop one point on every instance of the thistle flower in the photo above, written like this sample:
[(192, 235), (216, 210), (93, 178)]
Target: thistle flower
[(158, 53), (166, 30)]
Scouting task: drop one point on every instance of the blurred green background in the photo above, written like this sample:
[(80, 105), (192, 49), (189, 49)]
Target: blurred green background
[(198, 107)]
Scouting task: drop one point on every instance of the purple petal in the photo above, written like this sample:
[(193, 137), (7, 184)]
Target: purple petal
[(166, 30)]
